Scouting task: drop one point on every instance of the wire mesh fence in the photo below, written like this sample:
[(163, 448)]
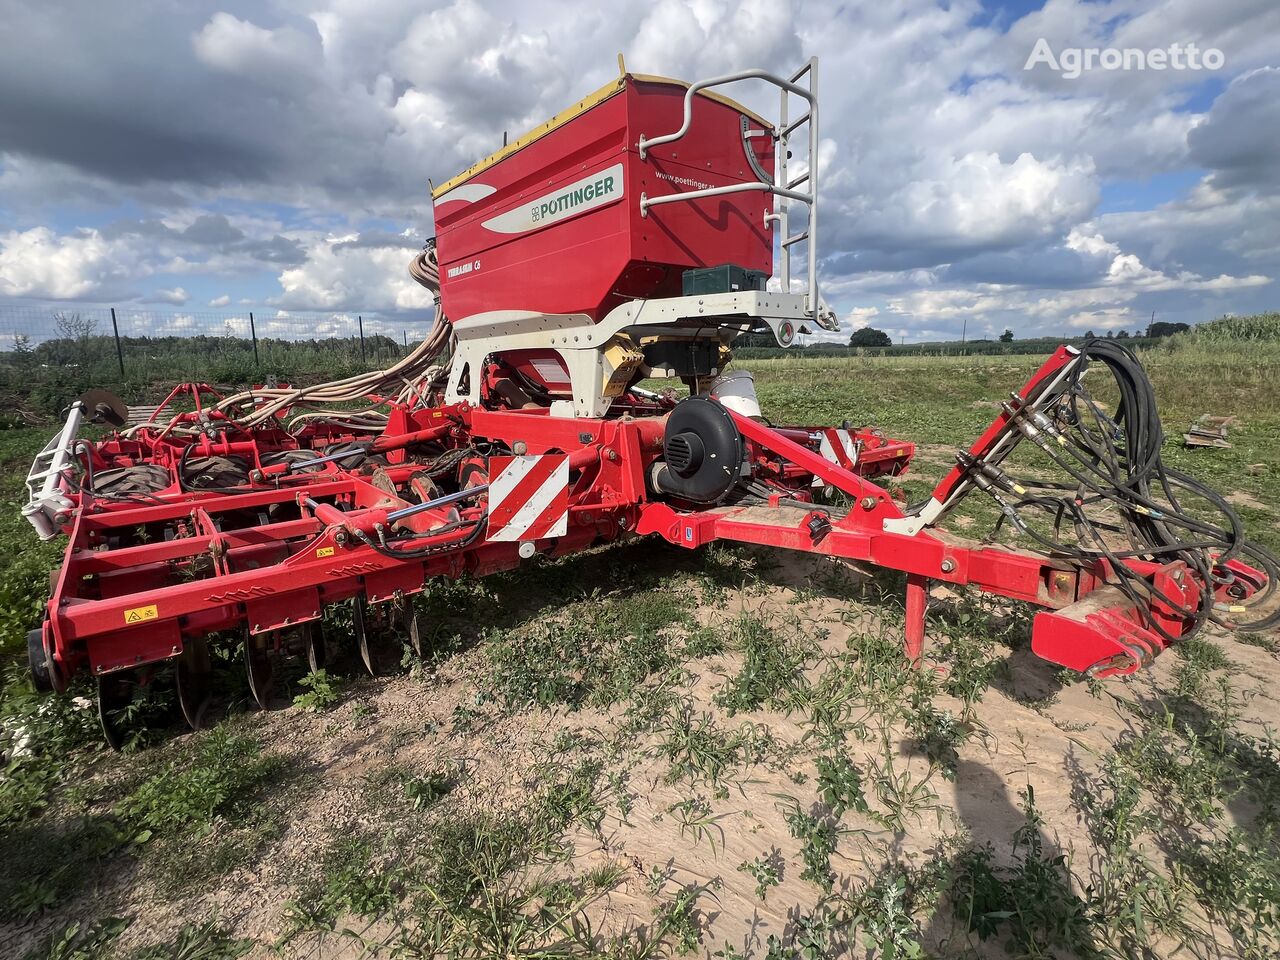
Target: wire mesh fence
[(49, 355)]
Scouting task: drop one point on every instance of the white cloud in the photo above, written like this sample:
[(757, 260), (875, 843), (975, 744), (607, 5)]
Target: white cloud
[(860, 317), (239, 46), (176, 296), (977, 201), (221, 301), (339, 275), (41, 263)]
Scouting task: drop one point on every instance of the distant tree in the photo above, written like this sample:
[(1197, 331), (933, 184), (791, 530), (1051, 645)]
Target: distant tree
[(1122, 335), (1163, 328), (73, 326), (1089, 334), (755, 340), (1111, 334), (870, 337), (1007, 336)]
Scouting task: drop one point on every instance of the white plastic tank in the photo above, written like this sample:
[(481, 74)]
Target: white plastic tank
[(736, 391)]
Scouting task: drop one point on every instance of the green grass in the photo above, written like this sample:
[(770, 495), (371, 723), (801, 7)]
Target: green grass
[(774, 656), (25, 562), (598, 651), (190, 795)]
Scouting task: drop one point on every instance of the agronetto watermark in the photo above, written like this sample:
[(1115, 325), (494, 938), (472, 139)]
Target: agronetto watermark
[(1074, 62)]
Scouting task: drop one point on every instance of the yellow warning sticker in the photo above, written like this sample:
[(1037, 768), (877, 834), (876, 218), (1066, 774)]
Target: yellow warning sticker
[(324, 551), (141, 614)]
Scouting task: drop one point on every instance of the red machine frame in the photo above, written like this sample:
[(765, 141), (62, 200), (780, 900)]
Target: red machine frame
[(118, 609)]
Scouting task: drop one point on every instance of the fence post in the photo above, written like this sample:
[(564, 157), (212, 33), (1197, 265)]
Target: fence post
[(115, 329), (360, 321), (253, 334), (406, 338)]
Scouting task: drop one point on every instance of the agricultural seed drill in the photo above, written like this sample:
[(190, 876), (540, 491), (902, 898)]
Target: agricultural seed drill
[(630, 237)]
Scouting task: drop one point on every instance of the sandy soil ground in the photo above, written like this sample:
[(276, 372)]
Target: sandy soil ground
[(1028, 732)]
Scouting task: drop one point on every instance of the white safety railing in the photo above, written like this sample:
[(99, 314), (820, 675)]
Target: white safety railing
[(782, 186)]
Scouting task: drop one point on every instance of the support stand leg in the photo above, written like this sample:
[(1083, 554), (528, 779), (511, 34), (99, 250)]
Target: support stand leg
[(917, 602)]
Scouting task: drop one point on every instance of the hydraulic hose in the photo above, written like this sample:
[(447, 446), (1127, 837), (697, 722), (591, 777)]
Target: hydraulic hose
[(1114, 464)]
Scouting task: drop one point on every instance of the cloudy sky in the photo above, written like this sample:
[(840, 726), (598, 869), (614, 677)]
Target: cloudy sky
[(209, 154)]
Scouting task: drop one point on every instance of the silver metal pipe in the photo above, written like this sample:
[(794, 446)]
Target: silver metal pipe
[(782, 187), (645, 144), (647, 202), (791, 127), (396, 515), (812, 97)]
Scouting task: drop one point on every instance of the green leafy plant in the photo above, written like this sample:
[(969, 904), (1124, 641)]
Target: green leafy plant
[(1032, 900), (221, 779), (697, 820), (817, 844), (766, 870), (322, 692), (840, 785), (199, 941), (426, 790), (80, 941), (773, 659)]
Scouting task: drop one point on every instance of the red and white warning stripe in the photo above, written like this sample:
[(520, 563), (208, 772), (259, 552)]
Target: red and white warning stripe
[(840, 447), (528, 497)]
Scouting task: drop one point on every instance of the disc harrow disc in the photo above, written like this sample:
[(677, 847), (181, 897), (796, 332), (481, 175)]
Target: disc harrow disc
[(104, 406)]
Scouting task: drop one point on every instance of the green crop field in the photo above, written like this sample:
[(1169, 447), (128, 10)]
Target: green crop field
[(646, 752)]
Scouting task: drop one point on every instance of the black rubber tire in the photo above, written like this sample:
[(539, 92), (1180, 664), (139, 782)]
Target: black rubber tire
[(38, 661)]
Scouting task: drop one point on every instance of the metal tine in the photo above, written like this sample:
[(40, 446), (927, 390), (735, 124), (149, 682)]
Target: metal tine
[(259, 667), (360, 626), (313, 644), (115, 693), (193, 676)]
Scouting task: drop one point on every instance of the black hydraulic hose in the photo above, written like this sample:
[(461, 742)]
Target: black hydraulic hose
[(1116, 461)]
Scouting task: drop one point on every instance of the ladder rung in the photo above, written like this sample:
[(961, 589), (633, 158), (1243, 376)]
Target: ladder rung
[(796, 239), (798, 180), (790, 127)]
